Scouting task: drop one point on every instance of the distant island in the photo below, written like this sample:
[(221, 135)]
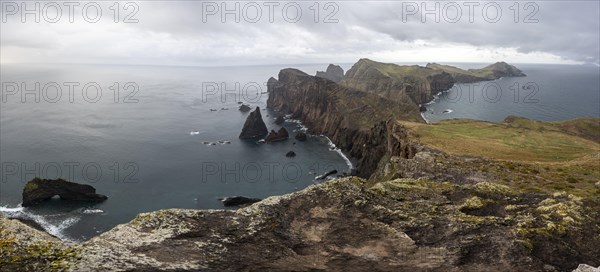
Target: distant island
[(457, 195)]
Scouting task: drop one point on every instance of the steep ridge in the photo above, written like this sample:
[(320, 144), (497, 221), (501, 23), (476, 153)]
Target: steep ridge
[(490, 72), (356, 121), (409, 84)]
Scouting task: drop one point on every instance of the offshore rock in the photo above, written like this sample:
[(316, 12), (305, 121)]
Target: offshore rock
[(301, 136), (277, 136), (244, 108), (238, 201), (38, 190), (279, 120), (254, 126)]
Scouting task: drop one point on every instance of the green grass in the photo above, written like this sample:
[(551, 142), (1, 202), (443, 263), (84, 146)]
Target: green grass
[(506, 141)]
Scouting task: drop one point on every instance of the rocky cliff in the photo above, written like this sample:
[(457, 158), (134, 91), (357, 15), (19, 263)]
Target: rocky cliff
[(356, 121), (409, 84), (490, 72)]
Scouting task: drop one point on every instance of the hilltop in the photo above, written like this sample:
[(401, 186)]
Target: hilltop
[(490, 72)]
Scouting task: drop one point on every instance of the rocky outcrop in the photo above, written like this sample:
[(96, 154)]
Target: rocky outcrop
[(414, 84), (277, 136), (23, 248), (356, 121), (334, 73), (490, 72), (279, 120), (238, 201), (244, 108), (301, 136), (254, 127), (38, 190), (346, 225)]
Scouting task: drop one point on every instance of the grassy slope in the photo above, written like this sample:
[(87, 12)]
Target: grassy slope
[(531, 155), (518, 141)]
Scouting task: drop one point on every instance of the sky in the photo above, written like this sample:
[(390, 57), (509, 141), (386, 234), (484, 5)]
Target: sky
[(216, 33)]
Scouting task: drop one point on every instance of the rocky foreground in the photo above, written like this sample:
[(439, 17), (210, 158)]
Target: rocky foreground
[(343, 225)]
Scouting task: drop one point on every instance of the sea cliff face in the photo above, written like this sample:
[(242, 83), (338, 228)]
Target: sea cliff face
[(410, 84), (356, 121)]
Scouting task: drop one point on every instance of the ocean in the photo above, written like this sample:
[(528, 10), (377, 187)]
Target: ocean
[(547, 93), (157, 137), (152, 138)]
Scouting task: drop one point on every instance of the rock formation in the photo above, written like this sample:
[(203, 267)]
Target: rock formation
[(301, 136), (409, 84), (38, 190), (324, 176), (348, 225), (244, 108), (279, 120), (356, 121), (277, 136), (334, 73), (238, 201), (254, 127), (490, 72)]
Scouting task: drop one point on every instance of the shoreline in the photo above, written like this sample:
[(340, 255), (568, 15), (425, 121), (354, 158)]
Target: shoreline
[(332, 146)]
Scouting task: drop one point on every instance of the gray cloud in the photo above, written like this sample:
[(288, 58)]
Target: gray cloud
[(173, 32)]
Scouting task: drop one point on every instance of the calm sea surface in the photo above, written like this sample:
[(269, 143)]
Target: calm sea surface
[(144, 146)]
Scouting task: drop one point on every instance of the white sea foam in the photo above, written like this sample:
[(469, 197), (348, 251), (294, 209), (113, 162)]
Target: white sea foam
[(339, 151), (92, 211), (194, 132), (303, 128), (54, 224)]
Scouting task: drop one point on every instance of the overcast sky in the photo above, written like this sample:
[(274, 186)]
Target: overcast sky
[(192, 33)]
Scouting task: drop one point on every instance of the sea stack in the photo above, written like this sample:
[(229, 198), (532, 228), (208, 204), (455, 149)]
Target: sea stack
[(254, 126), (38, 190), (276, 136), (244, 108)]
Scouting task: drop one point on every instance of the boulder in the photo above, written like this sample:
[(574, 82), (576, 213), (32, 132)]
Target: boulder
[(301, 136), (290, 154), (38, 190), (238, 201), (280, 135), (254, 126), (244, 108), (279, 120)]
